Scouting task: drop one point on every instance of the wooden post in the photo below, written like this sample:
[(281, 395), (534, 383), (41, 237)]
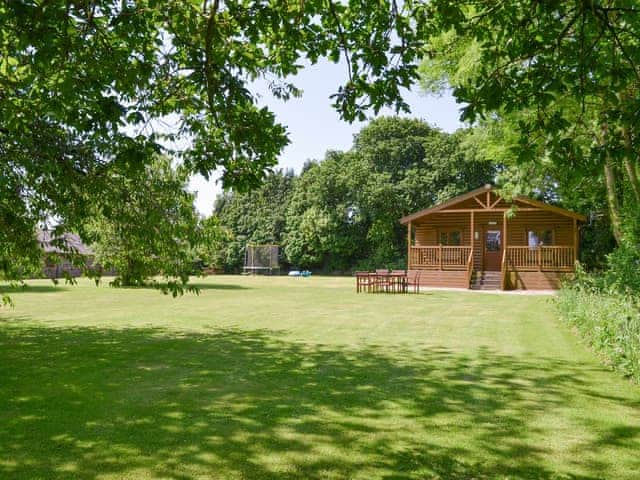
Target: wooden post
[(440, 255), (575, 240), (473, 236), (505, 252), (472, 232), (539, 258), (504, 228), (409, 246)]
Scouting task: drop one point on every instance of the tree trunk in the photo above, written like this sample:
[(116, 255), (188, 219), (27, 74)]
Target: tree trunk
[(612, 199), (630, 165)]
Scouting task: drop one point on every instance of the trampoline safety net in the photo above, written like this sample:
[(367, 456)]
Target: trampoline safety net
[(261, 259)]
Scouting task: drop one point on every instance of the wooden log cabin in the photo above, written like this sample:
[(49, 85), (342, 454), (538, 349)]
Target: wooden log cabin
[(480, 241)]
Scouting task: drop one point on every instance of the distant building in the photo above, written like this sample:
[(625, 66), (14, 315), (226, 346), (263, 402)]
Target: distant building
[(59, 252)]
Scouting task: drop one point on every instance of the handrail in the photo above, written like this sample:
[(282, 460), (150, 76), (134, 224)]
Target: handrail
[(470, 267), (503, 270), (541, 258), (451, 247), (439, 257)]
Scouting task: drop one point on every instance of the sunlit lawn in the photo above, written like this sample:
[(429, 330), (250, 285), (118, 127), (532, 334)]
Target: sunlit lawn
[(304, 378)]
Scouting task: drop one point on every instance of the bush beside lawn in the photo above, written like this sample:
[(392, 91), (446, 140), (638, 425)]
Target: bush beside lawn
[(610, 323)]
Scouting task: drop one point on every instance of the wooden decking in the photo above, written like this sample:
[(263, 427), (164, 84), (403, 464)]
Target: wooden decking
[(552, 259), (453, 265)]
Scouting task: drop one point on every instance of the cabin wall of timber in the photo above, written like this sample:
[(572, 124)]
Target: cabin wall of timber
[(518, 226), (536, 280), (444, 278), (427, 233)]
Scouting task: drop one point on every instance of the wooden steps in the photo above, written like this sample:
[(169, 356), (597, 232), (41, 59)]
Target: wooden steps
[(486, 280)]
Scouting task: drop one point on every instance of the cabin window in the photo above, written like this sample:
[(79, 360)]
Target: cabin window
[(450, 237), (540, 237)]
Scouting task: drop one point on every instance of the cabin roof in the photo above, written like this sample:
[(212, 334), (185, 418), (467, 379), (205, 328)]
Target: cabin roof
[(70, 241), (484, 189)]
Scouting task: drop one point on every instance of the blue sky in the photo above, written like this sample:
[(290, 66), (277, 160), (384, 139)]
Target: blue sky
[(314, 126)]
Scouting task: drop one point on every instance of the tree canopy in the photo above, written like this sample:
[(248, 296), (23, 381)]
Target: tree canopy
[(146, 225), (558, 82), (93, 89), (91, 86)]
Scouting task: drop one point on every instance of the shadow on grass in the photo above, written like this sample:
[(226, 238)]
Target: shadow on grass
[(29, 288), (81, 402), (62, 286), (218, 286), (197, 285)]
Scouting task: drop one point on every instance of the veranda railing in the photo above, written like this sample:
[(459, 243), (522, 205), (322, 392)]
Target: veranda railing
[(440, 257), (543, 258)]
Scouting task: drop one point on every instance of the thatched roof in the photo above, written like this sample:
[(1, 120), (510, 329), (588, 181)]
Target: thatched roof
[(72, 243)]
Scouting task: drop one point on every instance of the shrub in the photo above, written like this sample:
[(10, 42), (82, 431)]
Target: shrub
[(608, 319), (623, 273)]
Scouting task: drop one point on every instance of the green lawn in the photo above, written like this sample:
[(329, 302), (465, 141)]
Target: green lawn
[(304, 378)]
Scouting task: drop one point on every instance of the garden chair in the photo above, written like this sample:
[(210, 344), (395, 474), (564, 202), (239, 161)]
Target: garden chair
[(399, 280), (364, 280), (413, 280), (383, 280)]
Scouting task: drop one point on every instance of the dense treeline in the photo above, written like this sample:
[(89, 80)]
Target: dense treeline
[(258, 216), (342, 213)]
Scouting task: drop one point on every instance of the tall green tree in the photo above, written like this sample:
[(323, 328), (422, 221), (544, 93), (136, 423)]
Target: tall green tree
[(257, 216), (324, 227), (564, 78), (344, 210), (146, 226)]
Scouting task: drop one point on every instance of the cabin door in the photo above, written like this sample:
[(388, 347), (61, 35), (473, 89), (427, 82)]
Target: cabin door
[(492, 248)]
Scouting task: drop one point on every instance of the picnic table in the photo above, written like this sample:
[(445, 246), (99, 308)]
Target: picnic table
[(395, 281)]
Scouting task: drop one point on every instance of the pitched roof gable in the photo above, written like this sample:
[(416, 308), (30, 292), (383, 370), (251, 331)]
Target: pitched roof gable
[(489, 188)]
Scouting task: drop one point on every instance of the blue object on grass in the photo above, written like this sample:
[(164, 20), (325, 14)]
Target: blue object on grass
[(298, 273)]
